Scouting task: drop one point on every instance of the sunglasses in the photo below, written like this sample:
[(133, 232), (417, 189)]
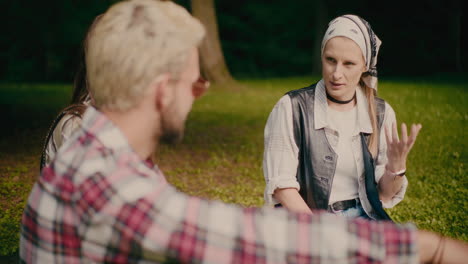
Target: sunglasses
[(199, 87)]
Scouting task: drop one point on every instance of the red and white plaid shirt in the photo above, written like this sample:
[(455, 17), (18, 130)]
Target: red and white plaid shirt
[(99, 202)]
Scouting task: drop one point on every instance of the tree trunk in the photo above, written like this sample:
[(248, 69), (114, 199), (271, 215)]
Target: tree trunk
[(320, 24), (213, 65)]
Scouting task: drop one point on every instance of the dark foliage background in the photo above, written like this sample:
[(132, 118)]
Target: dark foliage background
[(40, 41)]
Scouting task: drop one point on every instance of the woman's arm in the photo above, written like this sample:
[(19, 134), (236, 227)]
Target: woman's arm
[(280, 159), (397, 153), (391, 189), (292, 200), (67, 125)]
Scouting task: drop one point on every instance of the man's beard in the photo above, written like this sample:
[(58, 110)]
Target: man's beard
[(171, 137), (172, 127)]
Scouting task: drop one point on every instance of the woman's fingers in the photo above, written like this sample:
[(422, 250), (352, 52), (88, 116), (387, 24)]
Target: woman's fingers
[(414, 133), (404, 134), (407, 141), (394, 133), (388, 135)]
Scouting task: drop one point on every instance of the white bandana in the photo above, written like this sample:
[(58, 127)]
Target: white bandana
[(358, 30)]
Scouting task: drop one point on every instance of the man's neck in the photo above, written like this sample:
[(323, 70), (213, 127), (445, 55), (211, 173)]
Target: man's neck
[(139, 131)]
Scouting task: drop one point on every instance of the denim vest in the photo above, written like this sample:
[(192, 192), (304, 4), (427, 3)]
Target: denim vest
[(317, 160)]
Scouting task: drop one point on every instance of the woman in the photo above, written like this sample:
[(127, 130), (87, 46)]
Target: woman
[(69, 119), (322, 141)]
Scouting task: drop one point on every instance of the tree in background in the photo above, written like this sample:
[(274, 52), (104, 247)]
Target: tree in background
[(455, 32), (255, 38), (320, 24), (213, 64)]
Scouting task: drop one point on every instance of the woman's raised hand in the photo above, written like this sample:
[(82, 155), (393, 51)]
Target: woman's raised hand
[(398, 149)]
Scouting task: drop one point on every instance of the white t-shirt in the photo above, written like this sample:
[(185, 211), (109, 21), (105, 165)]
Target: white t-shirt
[(62, 132), (345, 182)]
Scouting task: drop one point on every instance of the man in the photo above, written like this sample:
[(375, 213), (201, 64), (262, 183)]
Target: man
[(101, 201)]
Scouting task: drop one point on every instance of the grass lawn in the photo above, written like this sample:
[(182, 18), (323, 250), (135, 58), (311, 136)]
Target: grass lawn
[(221, 155)]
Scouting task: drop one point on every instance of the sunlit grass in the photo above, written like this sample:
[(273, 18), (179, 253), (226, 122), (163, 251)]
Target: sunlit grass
[(221, 155)]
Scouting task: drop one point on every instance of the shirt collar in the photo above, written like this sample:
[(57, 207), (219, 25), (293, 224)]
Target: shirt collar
[(102, 128), (321, 109)]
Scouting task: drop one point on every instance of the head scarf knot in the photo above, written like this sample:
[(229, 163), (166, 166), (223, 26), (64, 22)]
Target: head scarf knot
[(360, 31)]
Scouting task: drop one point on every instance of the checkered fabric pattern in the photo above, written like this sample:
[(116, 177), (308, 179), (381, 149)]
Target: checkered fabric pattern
[(98, 202)]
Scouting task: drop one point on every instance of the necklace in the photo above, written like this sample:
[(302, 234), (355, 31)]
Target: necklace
[(329, 97)]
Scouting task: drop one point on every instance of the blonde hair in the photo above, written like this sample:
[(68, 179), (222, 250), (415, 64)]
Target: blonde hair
[(374, 137), (134, 42)]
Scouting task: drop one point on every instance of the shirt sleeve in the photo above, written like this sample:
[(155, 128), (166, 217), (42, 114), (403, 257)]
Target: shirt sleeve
[(62, 132), (161, 223), (70, 125), (280, 158), (382, 160)]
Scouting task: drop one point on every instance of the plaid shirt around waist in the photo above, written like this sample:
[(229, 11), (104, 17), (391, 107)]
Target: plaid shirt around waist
[(99, 202)]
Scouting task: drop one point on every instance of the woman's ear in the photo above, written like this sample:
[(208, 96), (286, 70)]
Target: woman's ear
[(364, 65), (364, 68), (162, 91)]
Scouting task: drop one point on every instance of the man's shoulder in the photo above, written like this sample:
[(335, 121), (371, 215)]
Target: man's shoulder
[(92, 168), (83, 156)]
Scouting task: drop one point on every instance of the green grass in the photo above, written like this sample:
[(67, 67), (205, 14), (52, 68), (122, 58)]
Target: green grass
[(221, 155)]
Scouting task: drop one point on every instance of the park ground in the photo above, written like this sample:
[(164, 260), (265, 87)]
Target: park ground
[(221, 154)]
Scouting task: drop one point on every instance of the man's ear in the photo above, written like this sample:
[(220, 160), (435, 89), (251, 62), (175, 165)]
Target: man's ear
[(162, 95)]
